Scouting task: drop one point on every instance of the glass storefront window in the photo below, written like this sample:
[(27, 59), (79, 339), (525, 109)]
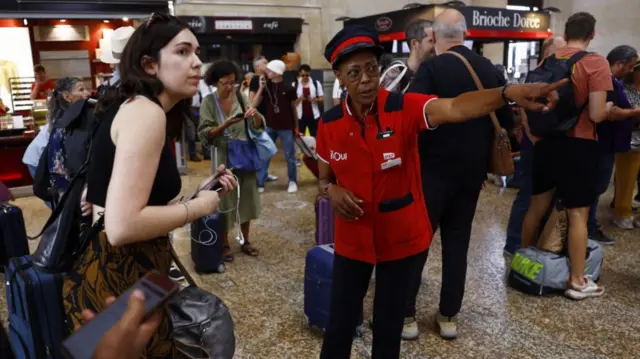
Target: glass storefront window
[(519, 59)]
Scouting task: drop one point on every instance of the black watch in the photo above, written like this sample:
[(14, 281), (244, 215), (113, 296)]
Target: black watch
[(503, 93)]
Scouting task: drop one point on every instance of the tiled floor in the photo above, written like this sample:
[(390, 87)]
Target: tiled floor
[(265, 294)]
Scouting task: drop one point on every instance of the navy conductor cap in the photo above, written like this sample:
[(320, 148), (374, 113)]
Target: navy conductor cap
[(349, 40)]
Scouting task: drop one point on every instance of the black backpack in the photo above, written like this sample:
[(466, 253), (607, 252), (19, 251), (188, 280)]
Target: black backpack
[(78, 122), (564, 117), (102, 89)]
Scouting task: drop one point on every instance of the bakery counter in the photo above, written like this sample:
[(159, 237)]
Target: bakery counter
[(13, 144)]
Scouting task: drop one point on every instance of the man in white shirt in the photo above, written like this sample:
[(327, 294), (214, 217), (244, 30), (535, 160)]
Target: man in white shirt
[(337, 92)]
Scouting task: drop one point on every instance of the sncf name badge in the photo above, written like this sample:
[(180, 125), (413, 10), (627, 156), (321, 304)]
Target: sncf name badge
[(391, 163)]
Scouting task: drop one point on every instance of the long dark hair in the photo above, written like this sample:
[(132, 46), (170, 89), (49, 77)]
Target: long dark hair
[(148, 39), (57, 104)]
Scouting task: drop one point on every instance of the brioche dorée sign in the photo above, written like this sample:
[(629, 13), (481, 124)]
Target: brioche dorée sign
[(503, 19), (498, 23)]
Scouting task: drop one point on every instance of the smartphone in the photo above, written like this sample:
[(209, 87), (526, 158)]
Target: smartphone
[(157, 289)]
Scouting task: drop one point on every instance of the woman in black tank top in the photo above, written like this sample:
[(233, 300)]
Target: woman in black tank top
[(133, 175)]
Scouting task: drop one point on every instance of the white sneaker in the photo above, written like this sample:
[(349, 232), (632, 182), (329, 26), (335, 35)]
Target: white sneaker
[(260, 189), (588, 290), (272, 178), (448, 326), (623, 223), (293, 187), (410, 330)]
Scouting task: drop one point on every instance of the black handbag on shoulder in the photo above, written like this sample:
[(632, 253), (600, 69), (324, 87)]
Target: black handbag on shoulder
[(67, 232)]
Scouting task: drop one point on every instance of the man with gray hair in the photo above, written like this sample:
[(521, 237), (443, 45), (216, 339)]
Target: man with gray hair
[(454, 161)]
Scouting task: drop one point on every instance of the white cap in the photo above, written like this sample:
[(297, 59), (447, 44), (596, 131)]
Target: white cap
[(276, 66), (119, 39)]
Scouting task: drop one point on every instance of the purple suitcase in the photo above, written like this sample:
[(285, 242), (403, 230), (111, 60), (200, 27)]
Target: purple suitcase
[(324, 221)]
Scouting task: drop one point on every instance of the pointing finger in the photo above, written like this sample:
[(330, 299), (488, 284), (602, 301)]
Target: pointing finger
[(554, 86)]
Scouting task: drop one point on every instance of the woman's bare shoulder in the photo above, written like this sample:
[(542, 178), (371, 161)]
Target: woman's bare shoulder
[(139, 115)]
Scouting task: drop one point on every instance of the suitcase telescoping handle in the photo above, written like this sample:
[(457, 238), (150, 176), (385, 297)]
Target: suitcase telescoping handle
[(214, 156)]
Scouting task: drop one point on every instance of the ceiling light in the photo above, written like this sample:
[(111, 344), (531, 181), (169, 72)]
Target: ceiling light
[(125, 19), (63, 20), (25, 22), (105, 21)]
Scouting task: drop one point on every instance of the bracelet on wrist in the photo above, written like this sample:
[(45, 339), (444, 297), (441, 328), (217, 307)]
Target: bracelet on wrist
[(186, 218), (503, 93), (326, 188)]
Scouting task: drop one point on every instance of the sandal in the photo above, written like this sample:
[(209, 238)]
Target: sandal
[(248, 249), (227, 256)]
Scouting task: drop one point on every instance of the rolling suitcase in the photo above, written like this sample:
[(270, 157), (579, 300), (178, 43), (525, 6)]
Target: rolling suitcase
[(207, 252), (13, 235), (36, 313), (206, 243), (324, 221), (318, 277)]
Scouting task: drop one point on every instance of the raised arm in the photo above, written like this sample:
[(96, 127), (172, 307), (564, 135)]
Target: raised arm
[(476, 104)]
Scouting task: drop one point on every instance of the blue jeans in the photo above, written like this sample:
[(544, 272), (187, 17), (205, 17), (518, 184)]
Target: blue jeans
[(286, 138), (521, 202), (605, 170)]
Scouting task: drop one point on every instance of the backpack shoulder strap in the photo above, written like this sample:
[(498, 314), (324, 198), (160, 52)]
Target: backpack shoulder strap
[(576, 57)]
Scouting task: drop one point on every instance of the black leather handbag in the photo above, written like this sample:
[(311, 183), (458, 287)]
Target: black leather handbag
[(66, 232), (202, 324)]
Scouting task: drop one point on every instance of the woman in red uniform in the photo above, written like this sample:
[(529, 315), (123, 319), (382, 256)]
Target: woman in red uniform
[(369, 143)]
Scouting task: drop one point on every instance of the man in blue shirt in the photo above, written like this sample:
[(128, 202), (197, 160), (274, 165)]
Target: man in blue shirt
[(613, 136)]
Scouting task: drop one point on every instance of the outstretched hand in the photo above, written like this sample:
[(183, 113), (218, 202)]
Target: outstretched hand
[(528, 96)]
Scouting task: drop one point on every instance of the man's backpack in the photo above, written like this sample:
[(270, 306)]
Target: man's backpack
[(560, 120), (102, 89), (394, 77)]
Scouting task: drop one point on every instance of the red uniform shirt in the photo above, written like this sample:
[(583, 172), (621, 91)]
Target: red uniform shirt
[(43, 89), (383, 172)]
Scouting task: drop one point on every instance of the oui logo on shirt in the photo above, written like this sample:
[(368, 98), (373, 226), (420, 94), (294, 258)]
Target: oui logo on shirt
[(337, 156)]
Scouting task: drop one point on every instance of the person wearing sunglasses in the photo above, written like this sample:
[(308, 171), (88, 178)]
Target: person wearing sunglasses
[(369, 145), (133, 177)]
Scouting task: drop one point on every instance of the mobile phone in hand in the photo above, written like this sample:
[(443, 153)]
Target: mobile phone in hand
[(157, 289)]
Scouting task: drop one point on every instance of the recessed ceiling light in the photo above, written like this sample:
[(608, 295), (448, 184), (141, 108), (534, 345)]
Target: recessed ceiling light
[(125, 19), (63, 20), (25, 22), (105, 21)]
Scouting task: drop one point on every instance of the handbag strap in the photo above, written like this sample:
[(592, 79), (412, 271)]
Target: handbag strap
[(476, 79), (244, 110), (182, 268)]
